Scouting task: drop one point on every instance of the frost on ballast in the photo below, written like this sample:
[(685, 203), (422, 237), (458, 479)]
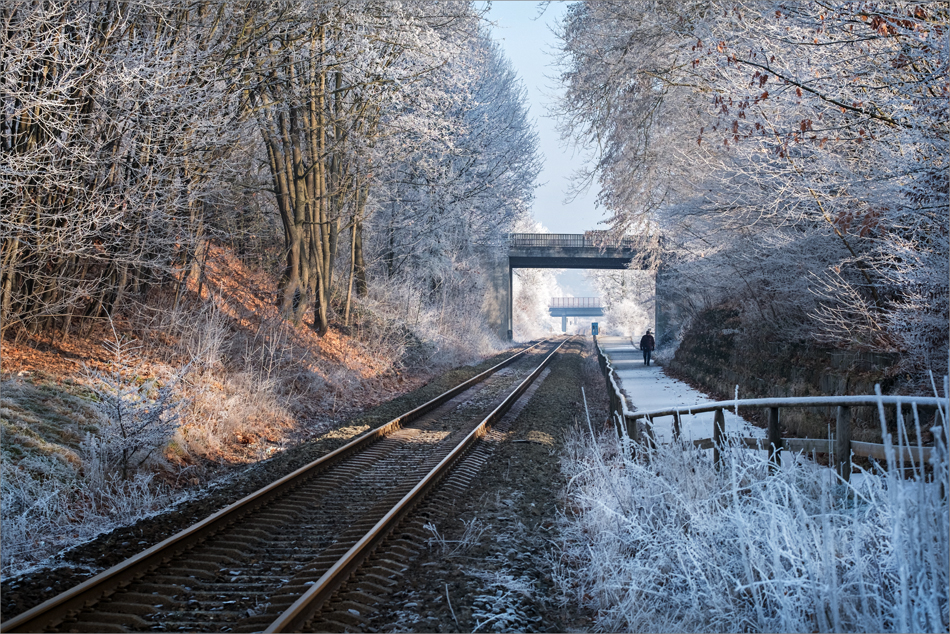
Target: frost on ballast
[(501, 606)]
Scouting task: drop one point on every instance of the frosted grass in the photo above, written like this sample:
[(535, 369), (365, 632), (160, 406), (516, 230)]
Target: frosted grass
[(668, 543), (42, 514)]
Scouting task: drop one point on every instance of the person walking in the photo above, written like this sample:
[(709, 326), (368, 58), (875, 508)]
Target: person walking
[(647, 344)]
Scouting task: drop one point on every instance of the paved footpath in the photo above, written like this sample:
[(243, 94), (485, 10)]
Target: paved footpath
[(648, 387)]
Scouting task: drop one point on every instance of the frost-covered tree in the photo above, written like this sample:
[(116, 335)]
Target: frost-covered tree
[(323, 72), (459, 183), (792, 154), (113, 130), (392, 134), (629, 301)]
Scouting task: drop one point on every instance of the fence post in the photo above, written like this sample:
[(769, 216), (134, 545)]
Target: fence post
[(719, 428), (676, 426), (843, 443), (775, 438), (649, 436), (633, 429), (616, 408)]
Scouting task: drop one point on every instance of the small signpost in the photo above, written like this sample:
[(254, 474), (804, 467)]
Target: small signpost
[(593, 328)]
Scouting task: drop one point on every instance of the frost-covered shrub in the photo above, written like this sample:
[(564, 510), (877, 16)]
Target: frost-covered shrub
[(138, 418), (57, 485), (44, 510), (670, 543)]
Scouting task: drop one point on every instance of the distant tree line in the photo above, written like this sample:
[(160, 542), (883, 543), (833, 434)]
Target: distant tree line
[(789, 158), (380, 143)]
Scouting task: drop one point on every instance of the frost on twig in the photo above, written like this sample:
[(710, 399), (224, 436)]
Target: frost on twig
[(474, 529)]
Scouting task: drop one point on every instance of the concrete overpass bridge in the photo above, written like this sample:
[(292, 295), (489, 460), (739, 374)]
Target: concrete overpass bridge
[(588, 250), (565, 307)]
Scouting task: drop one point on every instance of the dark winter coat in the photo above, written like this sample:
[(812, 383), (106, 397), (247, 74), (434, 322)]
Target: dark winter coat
[(647, 342)]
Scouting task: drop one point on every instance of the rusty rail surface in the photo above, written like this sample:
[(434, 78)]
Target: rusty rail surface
[(54, 610)]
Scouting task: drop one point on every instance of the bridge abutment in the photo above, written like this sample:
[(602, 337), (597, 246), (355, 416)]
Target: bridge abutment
[(497, 303)]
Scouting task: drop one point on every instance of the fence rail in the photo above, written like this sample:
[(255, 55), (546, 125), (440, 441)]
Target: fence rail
[(618, 404), (575, 302), (640, 424)]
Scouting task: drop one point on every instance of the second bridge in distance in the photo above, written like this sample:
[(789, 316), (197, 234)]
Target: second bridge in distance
[(565, 307)]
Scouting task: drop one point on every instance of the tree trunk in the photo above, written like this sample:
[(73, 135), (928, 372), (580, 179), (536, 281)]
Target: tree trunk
[(349, 285), (359, 264), (6, 291)]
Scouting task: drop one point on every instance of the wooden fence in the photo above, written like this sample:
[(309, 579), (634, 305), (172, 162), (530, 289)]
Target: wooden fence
[(618, 404), (639, 425)]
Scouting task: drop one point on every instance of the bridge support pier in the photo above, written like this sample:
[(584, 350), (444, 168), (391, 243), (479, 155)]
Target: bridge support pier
[(563, 323), (497, 301), (511, 302)]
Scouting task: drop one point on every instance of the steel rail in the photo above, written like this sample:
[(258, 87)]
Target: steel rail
[(87, 593), (302, 610)]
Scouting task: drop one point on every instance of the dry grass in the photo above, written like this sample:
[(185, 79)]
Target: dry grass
[(252, 381)]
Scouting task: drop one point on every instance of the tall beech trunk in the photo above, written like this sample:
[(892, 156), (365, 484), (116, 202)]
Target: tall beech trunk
[(359, 263), (357, 270)]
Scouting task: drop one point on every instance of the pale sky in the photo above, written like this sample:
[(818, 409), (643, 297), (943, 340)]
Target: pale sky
[(529, 43)]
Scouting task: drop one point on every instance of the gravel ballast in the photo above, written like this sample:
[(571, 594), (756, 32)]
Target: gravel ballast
[(489, 565)]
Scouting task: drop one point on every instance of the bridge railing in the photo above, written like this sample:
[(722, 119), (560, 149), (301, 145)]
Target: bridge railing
[(575, 302), (638, 426), (595, 239)]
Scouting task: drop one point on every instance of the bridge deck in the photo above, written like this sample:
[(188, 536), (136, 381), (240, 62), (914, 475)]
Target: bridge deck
[(558, 311), (591, 250)]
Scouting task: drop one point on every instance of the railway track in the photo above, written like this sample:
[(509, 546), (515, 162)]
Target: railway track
[(279, 559)]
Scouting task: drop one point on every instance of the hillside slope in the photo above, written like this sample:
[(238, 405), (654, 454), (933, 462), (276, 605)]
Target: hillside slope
[(216, 378)]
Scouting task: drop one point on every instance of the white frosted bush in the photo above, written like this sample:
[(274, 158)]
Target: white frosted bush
[(41, 515), (669, 543), (137, 419)]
